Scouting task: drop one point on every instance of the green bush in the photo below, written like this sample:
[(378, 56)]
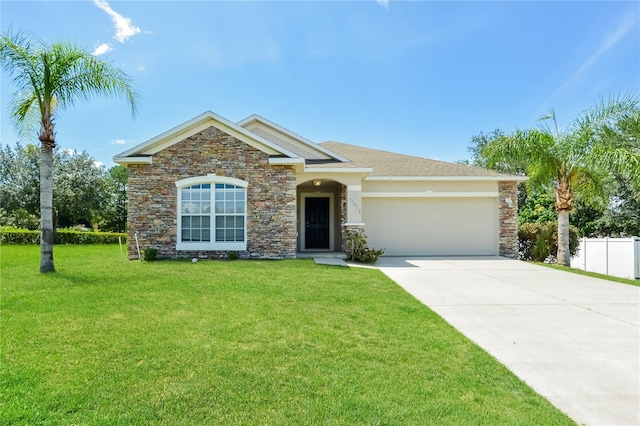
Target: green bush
[(63, 236), (358, 250), (539, 241), (150, 254), (19, 236)]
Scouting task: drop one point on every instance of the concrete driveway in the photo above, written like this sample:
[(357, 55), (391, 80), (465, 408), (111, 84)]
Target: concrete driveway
[(572, 338)]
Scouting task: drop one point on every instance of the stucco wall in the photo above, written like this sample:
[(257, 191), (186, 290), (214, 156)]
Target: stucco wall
[(271, 196)]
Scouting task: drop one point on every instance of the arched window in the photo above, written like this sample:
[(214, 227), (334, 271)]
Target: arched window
[(212, 213)]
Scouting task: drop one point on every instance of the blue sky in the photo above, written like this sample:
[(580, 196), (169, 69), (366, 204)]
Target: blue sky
[(415, 77)]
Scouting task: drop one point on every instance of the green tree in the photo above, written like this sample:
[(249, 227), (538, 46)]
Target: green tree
[(578, 158), (19, 169), (115, 211), (50, 77), (79, 187)]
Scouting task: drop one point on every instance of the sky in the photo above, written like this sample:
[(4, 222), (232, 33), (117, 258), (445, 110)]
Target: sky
[(415, 77)]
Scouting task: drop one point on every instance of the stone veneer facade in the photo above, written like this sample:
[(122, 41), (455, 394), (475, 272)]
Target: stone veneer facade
[(271, 196), (508, 219)]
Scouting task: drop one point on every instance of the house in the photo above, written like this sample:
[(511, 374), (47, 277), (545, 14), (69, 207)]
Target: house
[(209, 186)]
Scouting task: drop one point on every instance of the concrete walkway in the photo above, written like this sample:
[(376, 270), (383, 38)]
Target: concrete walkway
[(572, 338)]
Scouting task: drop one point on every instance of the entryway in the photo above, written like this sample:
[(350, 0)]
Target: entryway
[(319, 216), (316, 223)]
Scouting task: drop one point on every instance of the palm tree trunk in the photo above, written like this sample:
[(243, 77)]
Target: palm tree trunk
[(564, 257), (46, 208), (564, 205)]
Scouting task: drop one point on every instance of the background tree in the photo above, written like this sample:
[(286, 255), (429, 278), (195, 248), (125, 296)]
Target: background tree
[(50, 78), (115, 210), (85, 193), (79, 188), (579, 158), (19, 170)]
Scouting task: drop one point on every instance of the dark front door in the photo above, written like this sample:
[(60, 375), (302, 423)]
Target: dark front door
[(317, 226)]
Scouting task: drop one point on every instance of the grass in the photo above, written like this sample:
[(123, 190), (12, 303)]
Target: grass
[(591, 274), (113, 342)]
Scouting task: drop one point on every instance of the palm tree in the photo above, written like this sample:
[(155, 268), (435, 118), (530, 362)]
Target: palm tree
[(578, 158), (50, 78)]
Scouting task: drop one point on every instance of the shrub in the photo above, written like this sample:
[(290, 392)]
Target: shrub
[(539, 241), (233, 255), (150, 254), (63, 236), (358, 250)]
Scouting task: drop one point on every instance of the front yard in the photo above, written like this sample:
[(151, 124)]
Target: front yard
[(110, 341)]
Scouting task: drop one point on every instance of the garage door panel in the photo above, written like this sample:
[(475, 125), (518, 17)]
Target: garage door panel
[(432, 226)]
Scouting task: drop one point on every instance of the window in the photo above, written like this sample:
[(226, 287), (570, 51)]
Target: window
[(212, 213)]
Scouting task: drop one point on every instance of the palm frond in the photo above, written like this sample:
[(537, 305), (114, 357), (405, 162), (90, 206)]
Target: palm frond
[(78, 75)]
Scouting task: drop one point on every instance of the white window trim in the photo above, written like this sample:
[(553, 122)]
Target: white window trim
[(212, 245)]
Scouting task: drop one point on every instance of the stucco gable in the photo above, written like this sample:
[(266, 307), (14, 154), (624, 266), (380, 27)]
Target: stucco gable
[(141, 154), (288, 139)]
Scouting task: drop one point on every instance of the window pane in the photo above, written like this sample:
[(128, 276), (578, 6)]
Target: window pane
[(195, 222), (239, 234), (206, 186), (239, 206), (239, 221), (219, 234), (228, 207), (229, 222), (229, 233), (219, 222), (219, 207), (206, 195)]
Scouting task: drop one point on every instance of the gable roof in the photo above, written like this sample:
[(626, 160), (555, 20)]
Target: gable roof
[(393, 166), (288, 139), (142, 153)]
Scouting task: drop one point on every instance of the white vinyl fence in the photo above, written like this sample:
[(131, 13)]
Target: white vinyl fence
[(619, 257)]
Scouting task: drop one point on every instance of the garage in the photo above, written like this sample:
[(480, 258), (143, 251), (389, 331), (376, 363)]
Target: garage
[(431, 226)]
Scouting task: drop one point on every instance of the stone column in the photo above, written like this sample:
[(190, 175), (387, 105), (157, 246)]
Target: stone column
[(508, 214)]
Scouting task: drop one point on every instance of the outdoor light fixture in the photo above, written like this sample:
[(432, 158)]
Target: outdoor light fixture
[(317, 182), (508, 201)]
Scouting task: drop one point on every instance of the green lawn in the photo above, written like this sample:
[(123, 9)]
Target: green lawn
[(591, 274), (110, 341)]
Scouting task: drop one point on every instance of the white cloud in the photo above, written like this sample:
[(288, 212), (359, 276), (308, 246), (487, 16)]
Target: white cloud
[(609, 42), (124, 26), (383, 3), (118, 141), (70, 151), (98, 163), (102, 49)]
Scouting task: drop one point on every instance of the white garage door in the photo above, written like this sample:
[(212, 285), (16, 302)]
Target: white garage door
[(432, 226)]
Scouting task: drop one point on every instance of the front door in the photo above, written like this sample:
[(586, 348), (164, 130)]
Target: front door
[(317, 223)]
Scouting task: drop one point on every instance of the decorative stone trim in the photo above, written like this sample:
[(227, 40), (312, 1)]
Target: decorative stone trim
[(508, 215), (271, 196), (353, 228)]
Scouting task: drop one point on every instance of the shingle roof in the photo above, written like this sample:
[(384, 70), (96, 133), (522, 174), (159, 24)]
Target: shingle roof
[(390, 164)]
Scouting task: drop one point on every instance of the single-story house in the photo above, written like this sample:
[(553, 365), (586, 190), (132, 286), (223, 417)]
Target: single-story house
[(210, 186)]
